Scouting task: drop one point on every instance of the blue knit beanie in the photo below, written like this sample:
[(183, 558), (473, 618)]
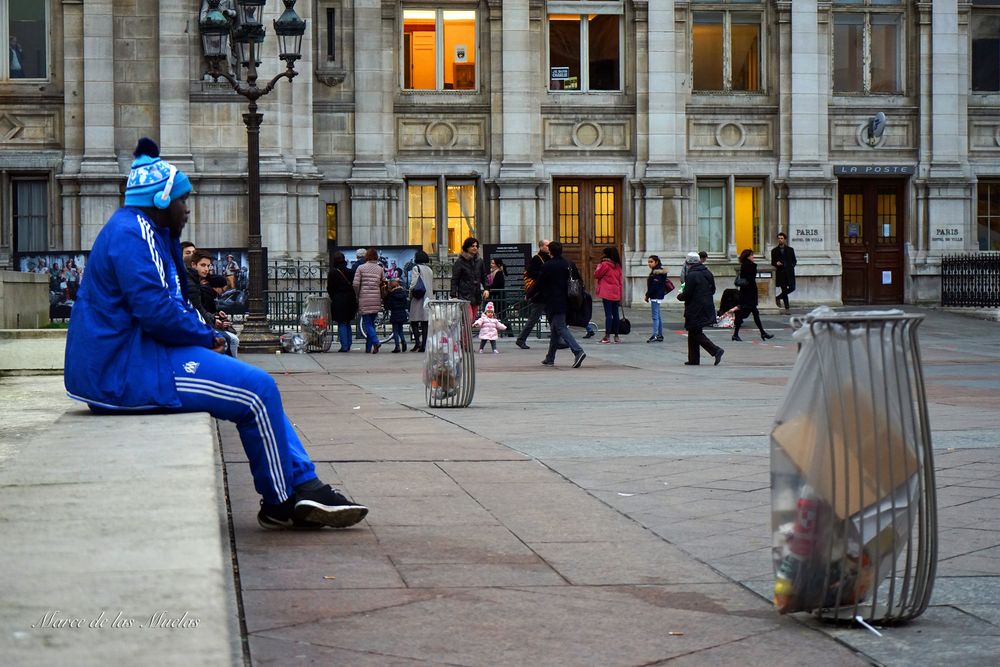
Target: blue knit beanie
[(153, 183)]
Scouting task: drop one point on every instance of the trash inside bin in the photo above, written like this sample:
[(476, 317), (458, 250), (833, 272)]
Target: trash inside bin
[(853, 510), (449, 365), (315, 323)]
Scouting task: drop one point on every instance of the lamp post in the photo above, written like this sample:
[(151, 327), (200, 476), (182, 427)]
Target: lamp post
[(242, 25)]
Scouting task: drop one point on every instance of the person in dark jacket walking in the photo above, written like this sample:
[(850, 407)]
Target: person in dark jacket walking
[(468, 277), (783, 261), (748, 296), (134, 345), (343, 300), (551, 286), (699, 309), (533, 310)]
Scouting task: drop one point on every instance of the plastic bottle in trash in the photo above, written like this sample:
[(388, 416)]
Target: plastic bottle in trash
[(788, 582)]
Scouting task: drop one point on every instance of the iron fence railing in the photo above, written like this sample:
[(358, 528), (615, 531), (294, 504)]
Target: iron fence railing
[(971, 279), (290, 282)]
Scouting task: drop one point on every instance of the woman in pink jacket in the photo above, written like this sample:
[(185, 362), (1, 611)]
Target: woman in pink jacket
[(368, 288), (609, 288)]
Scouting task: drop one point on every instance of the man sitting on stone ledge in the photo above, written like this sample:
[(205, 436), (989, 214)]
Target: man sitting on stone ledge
[(136, 344)]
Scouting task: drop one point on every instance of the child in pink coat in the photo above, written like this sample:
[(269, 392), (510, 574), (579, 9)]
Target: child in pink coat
[(489, 328)]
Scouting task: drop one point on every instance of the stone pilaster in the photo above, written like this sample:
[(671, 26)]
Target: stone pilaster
[(99, 179), (175, 45), (665, 108)]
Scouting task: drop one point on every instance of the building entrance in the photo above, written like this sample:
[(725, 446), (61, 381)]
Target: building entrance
[(587, 219), (871, 240)]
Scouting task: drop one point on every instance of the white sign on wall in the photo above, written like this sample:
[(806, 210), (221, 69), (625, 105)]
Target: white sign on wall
[(806, 236), (947, 236)]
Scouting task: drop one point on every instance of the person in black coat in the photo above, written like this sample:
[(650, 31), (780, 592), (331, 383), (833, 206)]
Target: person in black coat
[(748, 296), (468, 276), (343, 301), (533, 311), (699, 309), (783, 261), (550, 288)]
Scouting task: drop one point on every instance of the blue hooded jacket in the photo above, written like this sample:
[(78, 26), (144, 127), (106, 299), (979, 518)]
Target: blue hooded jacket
[(131, 306)]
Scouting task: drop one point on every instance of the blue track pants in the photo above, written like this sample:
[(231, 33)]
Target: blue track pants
[(229, 389)]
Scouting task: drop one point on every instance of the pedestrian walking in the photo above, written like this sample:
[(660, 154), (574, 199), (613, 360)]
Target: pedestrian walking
[(551, 288), (489, 328), (748, 296), (533, 310), (421, 281), (696, 292), (368, 279), (783, 260), (657, 287), (609, 288)]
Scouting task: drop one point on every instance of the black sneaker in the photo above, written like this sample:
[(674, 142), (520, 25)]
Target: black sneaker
[(651, 339), (280, 517), (578, 359), (521, 344), (546, 362), (328, 507), (718, 356), (659, 339), (590, 334)]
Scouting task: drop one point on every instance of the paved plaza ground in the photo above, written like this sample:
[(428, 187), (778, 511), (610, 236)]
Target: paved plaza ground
[(615, 514)]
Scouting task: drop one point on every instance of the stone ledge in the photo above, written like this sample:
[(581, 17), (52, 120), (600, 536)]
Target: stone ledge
[(117, 525), (32, 351)]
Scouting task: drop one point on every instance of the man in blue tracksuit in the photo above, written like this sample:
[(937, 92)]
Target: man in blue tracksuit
[(135, 343)]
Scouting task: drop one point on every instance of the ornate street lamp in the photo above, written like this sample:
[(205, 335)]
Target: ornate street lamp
[(243, 28)]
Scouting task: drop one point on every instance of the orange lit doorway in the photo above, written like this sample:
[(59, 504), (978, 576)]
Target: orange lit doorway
[(587, 215)]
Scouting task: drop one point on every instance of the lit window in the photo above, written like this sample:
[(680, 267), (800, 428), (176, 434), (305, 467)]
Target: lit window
[(985, 27), (711, 219), (439, 49), (26, 25), (726, 48), (988, 215), (866, 47), (730, 211), (30, 208), (441, 223), (585, 52)]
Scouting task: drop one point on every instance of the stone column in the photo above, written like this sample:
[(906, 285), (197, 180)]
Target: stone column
[(522, 217), (950, 185), (809, 187), (375, 210), (667, 133), (100, 180), (661, 192), (69, 186), (175, 42)]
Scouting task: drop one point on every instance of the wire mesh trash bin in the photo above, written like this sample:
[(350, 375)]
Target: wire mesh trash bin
[(853, 509), (449, 365), (315, 323)]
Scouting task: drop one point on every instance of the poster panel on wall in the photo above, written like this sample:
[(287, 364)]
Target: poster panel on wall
[(65, 271)]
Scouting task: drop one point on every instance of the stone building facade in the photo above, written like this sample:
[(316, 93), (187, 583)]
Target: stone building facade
[(657, 126)]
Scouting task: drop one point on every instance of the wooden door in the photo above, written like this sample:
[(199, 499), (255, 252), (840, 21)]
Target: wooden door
[(587, 215), (871, 240)]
